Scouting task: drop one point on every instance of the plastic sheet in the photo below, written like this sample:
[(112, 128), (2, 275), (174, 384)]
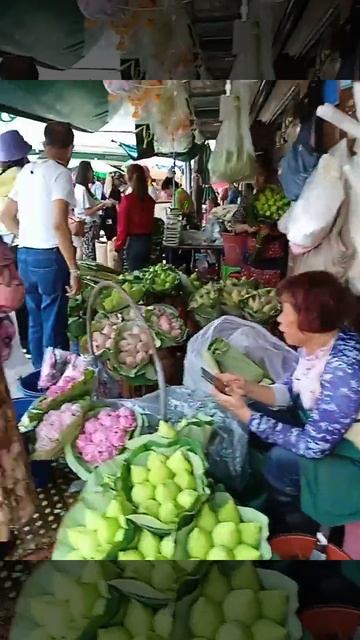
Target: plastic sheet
[(309, 220), (352, 172), (103, 9), (251, 339), (227, 450)]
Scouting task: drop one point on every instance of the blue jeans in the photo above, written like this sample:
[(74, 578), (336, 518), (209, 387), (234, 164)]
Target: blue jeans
[(45, 276), (282, 467)]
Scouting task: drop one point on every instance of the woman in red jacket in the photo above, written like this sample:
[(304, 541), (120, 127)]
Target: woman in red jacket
[(135, 220)]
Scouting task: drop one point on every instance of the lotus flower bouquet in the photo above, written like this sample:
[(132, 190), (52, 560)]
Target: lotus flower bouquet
[(73, 374), (53, 367), (262, 306), (130, 355), (50, 432), (165, 323), (206, 303), (162, 279), (105, 435), (235, 292)]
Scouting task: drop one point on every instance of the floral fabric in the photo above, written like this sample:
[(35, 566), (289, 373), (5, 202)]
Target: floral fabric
[(336, 409), (17, 495)]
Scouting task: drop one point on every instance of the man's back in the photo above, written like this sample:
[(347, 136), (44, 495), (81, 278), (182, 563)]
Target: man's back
[(38, 185)]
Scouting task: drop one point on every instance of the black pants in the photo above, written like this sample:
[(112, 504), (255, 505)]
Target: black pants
[(138, 252)]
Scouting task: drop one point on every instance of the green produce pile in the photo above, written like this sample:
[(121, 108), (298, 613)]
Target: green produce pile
[(156, 601), (147, 503), (242, 298), (269, 205), (221, 357), (161, 279)]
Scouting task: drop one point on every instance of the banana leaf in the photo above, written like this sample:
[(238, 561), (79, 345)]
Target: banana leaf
[(79, 391), (271, 580), (73, 458), (247, 514), (41, 583), (195, 456), (231, 360)]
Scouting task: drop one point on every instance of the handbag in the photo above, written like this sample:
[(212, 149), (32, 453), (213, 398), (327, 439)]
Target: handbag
[(12, 291), (77, 227)]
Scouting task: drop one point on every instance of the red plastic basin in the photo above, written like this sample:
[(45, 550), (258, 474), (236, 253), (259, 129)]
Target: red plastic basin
[(324, 623), (300, 547)]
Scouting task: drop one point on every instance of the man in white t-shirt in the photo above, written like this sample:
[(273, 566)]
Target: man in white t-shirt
[(37, 211)]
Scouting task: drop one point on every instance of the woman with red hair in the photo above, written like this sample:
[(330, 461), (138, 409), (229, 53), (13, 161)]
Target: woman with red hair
[(321, 397), (135, 220)]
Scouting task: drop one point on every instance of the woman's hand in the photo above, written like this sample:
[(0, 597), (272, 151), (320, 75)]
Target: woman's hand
[(235, 385), (235, 404)]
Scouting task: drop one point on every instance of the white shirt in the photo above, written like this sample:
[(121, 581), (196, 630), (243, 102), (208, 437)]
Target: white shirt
[(83, 201), (98, 189), (37, 186)]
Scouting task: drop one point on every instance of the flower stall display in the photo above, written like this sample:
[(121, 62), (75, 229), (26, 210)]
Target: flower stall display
[(162, 279), (235, 292), (166, 325), (205, 303), (262, 306), (116, 601)]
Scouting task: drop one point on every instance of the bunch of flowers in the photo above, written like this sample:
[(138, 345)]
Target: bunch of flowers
[(52, 427), (74, 373), (105, 435)]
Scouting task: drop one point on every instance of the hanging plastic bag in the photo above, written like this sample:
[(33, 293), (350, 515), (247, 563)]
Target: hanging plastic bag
[(251, 339), (227, 449), (298, 164), (309, 220), (352, 172), (335, 254), (233, 158)]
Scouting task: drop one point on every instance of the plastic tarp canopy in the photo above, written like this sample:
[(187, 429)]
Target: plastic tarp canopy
[(84, 104), (52, 32)]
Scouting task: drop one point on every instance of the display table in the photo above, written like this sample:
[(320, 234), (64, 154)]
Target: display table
[(217, 249)]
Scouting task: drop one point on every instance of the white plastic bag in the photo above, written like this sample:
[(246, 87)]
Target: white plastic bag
[(352, 172), (103, 9), (233, 158), (251, 339), (310, 218)]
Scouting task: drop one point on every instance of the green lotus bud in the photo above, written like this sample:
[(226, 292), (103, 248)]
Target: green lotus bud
[(241, 606), (163, 623), (151, 507), (233, 631), (155, 460), (166, 430), (250, 533), (268, 629), (139, 570), (167, 547), (92, 519), (47, 612), (149, 545), (205, 618), (199, 544), (163, 576), (130, 554), (107, 530), (274, 605), (229, 513), (166, 491), (187, 498), (168, 513), (220, 553), (114, 510), (245, 577), (84, 541), (40, 634), (207, 519), (178, 463), (113, 633), (226, 534), (244, 552), (185, 480), (216, 586), (142, 493), (138, 474), (159, 475), (138, 619), (74, 555)]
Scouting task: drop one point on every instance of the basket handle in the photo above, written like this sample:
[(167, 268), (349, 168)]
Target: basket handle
[(158, 366)]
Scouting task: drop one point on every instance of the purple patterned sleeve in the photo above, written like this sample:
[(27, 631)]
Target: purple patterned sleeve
[(336, 410)]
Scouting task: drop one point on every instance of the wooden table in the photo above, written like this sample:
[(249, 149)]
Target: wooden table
[(214, 248)]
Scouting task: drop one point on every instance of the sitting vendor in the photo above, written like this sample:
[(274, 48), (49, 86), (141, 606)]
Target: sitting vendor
[(317, 442)]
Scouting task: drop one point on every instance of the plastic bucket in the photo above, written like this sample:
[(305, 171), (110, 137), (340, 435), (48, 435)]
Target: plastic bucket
[(235, 249), (331, 622), (300, 547), (29, 385), (21, 406)]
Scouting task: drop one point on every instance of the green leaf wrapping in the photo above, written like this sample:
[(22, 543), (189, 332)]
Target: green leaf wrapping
[(165, 339), (40, 583), (231, 360), (80, 390)]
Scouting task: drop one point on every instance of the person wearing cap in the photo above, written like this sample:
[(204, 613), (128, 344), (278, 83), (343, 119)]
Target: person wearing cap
[(37, 210), (13, 157)]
